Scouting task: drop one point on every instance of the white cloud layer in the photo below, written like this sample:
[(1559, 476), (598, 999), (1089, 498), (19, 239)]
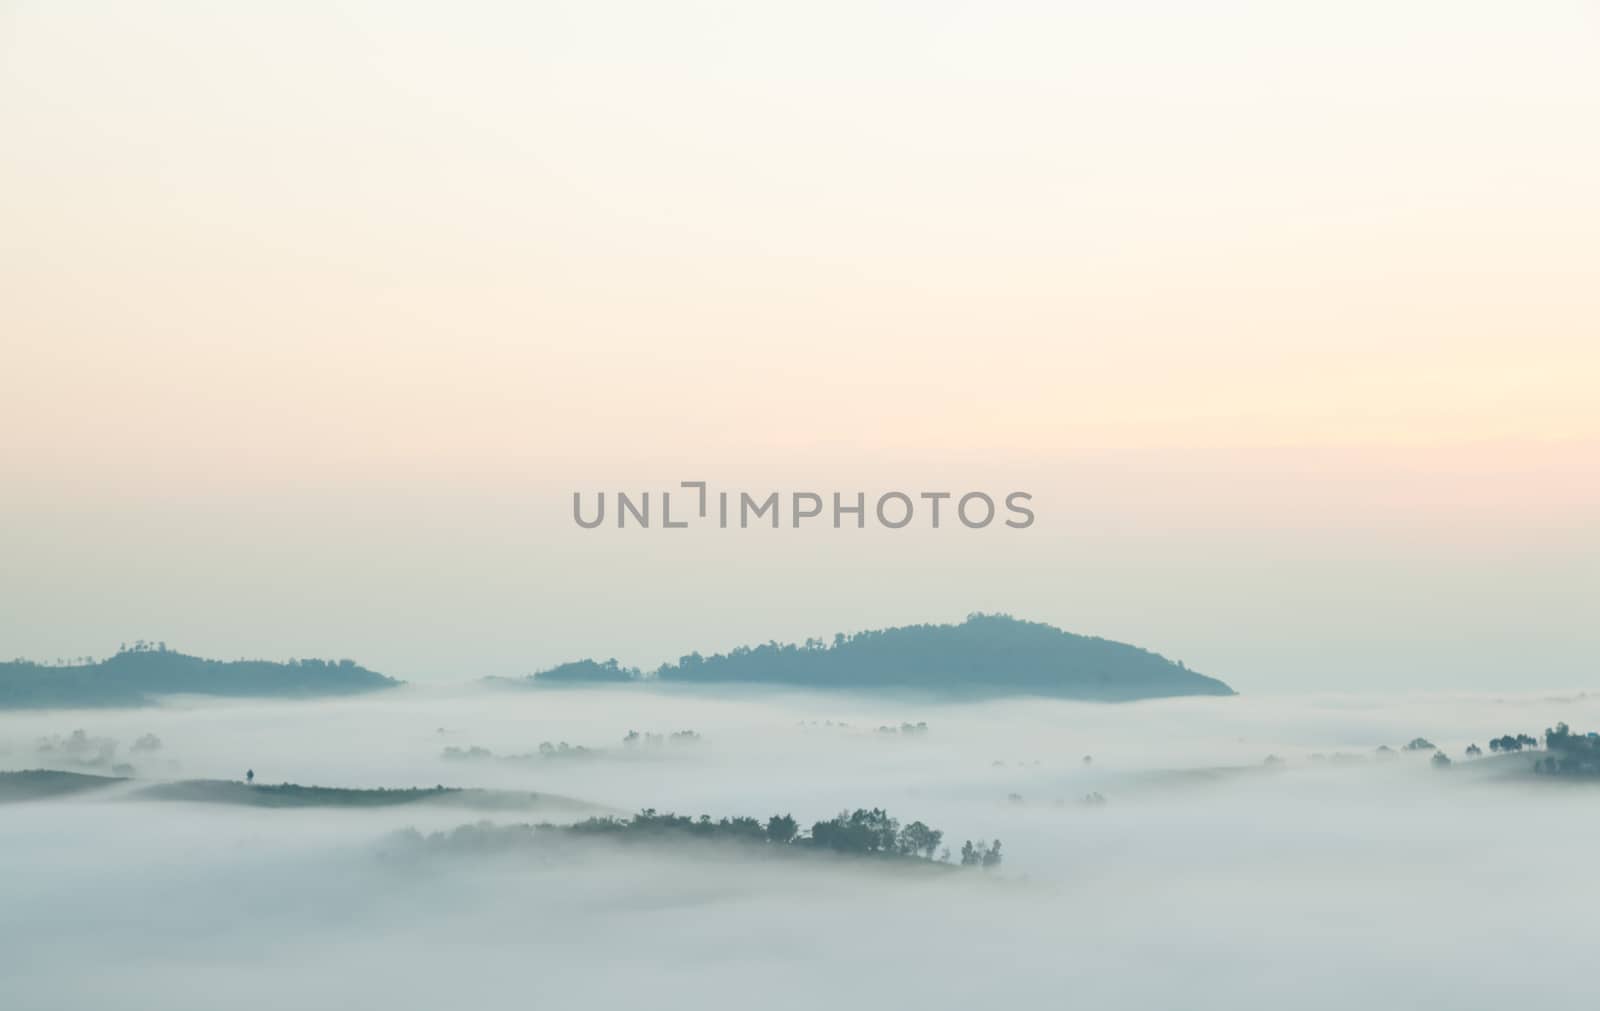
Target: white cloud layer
[(1318, 883)]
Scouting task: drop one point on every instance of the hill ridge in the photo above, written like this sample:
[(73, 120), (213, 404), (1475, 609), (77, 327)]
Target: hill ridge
[(987, 654), (131, 676)]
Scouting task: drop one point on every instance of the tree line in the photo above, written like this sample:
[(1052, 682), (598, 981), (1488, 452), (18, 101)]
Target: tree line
[(862, 832), (1566, 753)]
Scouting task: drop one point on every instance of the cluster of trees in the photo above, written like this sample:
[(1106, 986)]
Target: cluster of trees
[(634, 739), (862, 832), (547, 749), (873, 831), (1421, 745), (561, 749), (1509, 743), (1569, 754), (1505, 744), (77, 748), (981, 855), (919, 727), (458, 754)]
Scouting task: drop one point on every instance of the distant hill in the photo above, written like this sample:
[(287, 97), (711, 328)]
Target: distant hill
[(36, 784), (219, 791), (42, 784), (132, 676), (588, 672), (986, 655)]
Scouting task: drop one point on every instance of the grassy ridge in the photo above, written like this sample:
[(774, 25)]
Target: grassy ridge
[(39, 784)]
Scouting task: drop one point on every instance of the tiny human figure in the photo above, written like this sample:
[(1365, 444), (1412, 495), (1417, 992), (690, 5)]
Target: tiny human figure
[(250, 776)]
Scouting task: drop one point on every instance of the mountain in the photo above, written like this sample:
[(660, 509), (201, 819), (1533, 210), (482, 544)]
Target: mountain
[(986, 655), (134, 675)]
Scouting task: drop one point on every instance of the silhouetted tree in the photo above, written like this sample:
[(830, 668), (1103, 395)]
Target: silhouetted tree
[(992, 857), (981, 855), (782, 829), (919, 838)]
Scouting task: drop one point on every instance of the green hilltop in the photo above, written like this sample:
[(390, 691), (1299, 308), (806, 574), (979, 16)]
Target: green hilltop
[(986, 655)]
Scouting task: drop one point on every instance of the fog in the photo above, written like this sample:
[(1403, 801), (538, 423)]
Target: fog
[(1208, 878)]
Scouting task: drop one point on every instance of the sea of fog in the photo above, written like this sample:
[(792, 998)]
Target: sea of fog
[(1207, 878)]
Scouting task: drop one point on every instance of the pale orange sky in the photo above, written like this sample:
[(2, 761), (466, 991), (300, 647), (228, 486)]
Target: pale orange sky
[(1215, 282)]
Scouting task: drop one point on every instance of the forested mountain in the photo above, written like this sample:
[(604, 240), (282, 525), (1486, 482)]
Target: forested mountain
[(988, 654), (135, 674)]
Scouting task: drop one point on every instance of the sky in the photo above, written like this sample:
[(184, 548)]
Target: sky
[(316, 317)]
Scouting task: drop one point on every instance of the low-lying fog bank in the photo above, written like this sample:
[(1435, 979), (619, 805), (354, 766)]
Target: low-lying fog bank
[(1175, 868)]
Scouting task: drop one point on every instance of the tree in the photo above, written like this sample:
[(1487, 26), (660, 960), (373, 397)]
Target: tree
[(1440, 760), (782, 829), (992, 857), (1473, 751), (250, 776), (919, 838)]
